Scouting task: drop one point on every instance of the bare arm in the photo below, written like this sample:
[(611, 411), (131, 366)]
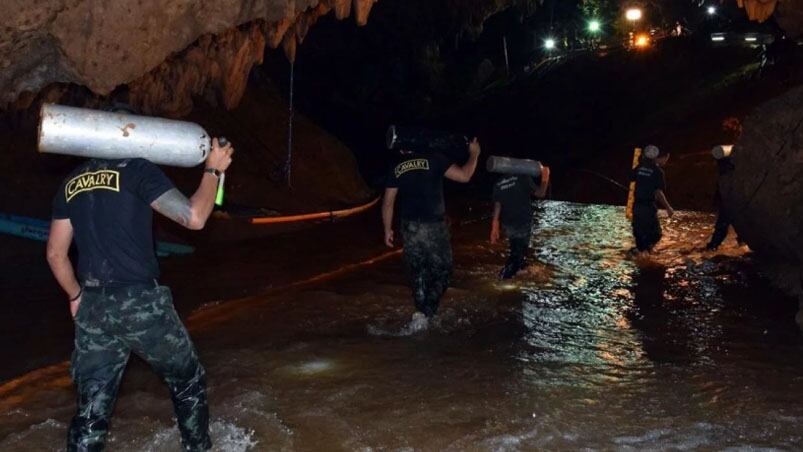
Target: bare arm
[(541, 191), (495, 222), (192, 213), (497, 211), (661, 198), (58, 248), (464, 173), (388, 202)]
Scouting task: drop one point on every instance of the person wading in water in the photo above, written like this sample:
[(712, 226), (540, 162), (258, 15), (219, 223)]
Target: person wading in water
[(115, 299), (417, 182)]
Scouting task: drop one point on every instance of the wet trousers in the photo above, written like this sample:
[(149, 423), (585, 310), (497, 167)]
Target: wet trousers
[(518, 236), (428, 258), (109, 325), (720, 231), (646, 228)]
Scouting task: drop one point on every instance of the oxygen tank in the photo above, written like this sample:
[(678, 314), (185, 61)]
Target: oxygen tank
[(507, 165), (425, 141), (89, 133), (722, 151)]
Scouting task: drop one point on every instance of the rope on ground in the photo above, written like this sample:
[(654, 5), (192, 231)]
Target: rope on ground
[(604, 177), (332, 214)]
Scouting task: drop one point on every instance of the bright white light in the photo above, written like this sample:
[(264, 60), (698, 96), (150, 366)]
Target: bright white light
[(717, 38), (549, 43), (594, 26), (712, 10), (633, 14), (751, 39)]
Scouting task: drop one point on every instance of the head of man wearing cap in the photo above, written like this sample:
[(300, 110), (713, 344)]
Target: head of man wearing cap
[(653, 153)]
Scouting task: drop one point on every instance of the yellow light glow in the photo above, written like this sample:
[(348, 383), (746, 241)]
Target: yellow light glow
[(642, 40), (633, 14)]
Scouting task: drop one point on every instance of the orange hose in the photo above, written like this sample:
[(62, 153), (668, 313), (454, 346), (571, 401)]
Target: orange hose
[(332, 214)]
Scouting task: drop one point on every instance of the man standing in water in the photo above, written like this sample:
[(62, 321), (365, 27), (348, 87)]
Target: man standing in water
[(650, 186), (418, 181), (512, 199), (116, 302), (724, 168)]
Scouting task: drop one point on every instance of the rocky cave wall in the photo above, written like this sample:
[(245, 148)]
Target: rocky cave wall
[(764, 195), (788, 13), (166, 51)]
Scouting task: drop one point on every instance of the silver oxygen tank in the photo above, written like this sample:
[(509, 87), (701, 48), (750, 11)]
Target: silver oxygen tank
[(100, 134), (417, 139), (507, 165)]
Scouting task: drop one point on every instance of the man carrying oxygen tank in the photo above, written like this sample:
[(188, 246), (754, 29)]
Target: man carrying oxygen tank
[(650, 186), (417, 181), (512, 198), (115, 299)]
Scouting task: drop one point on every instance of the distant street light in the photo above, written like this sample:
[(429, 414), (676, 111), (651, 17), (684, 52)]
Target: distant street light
[(594, 26), (549, 43), (633, 14), (712, 10), (642, 41)]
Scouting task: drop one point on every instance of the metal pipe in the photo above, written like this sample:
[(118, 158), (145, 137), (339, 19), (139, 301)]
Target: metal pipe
[(99, 134), (507, 165)]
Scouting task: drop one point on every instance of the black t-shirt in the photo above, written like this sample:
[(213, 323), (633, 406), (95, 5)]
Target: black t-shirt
[(515, 193), (419, 179), (649, 179), (108, 204)]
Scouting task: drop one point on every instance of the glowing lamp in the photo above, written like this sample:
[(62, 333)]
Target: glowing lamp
[(642, 40), (594, 26), (711, 10), (549, 43), (633, 14)]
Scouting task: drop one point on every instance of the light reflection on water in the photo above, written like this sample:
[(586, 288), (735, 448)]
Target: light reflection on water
[(589, 349)]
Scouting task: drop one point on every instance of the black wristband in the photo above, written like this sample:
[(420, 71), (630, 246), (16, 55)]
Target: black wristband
[(215, 172), (80, 292)]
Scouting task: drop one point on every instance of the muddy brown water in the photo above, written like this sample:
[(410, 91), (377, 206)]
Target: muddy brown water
[(588, 350)]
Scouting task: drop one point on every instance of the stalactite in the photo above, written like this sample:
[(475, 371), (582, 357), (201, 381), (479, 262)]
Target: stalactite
[(342, 8), (289, 45), (758, 10), (277, 30), (218, 63), (362, 8), (87, 43)]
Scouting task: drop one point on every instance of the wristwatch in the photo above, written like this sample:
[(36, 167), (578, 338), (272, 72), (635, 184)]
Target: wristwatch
[(214, 171)]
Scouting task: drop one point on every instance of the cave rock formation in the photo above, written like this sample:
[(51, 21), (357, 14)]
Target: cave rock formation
[(190, 46), (789, 13), (764, 195)]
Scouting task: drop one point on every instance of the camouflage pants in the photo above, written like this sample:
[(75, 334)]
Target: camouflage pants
[(518, 236), (428, 257), (109, 325)]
